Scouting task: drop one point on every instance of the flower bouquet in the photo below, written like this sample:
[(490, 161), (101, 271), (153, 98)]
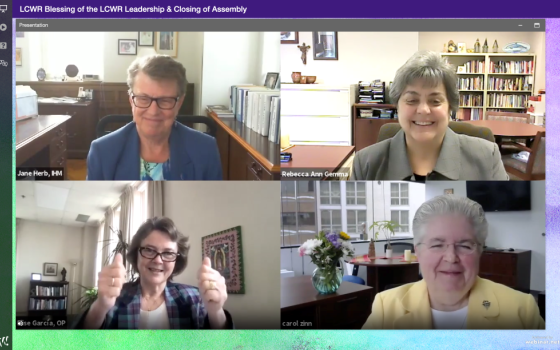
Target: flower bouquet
[(326, 250)]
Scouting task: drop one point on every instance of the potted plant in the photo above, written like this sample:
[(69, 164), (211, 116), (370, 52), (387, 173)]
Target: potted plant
[(326, 251), (387, 228), (90, 294)]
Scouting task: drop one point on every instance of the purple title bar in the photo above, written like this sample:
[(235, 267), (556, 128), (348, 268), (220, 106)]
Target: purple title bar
[(283, 9)]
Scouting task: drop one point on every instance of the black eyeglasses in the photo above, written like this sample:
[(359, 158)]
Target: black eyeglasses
[(162, 102), (149, 253)]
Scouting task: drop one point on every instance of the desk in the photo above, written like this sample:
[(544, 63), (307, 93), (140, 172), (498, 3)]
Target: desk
[(317, 158), (502, 128), (383, 272), (348, 308), (245, 154), (41, 142), (80, 130)]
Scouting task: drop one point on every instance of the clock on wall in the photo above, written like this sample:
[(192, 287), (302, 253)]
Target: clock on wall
[(41, 74), (451, 47)]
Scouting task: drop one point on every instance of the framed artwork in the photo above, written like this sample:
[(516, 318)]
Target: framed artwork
[(145, 38), (461, 48), (271, 80), (166, 43), (289, 37), (325, 46), (226, 255), (128, 46), (36, 277), (448, 191), (461, 69), (50, 269), (18, 57)]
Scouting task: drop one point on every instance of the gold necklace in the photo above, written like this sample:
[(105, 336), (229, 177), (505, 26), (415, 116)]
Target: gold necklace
[(148, 303)]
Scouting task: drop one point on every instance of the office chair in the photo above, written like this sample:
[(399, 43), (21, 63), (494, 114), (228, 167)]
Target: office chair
[(353, 278), (101, 129), (400, 247), (389, 130)]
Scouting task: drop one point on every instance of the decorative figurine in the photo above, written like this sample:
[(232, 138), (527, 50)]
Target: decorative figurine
[(477, 46), (303, 48), (63, 273), (485, 47), (495, 46), (451, 47)]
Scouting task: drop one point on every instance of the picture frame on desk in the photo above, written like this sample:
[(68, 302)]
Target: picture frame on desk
[(166, 43), (128, 47), (271, 80), (325, 46), (289, 37), (225, 251)]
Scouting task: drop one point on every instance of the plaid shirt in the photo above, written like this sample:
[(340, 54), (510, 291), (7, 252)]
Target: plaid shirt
[(184, 309)]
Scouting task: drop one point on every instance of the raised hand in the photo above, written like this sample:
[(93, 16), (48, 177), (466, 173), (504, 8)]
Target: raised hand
[(212, 287), (110, 282)]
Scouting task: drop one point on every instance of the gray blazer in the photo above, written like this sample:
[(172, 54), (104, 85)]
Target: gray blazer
[(461, 157)]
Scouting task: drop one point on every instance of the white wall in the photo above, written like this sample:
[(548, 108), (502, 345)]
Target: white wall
[(39, 243), (361, 56), (235, 58), (519, 230), (203, 208)]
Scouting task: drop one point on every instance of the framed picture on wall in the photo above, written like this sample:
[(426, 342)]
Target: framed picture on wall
[(128, 46), (166, 43), (225, 251), (18, 56), (50, 269), (145, 38), (289, 38), (325, 46)]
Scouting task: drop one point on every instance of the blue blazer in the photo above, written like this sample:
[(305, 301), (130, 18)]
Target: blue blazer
[(116, 156)]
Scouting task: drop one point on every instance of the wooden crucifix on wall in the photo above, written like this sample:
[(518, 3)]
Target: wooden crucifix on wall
[(303, 48)]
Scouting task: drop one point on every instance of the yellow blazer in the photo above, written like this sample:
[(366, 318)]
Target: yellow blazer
[(408, 307)]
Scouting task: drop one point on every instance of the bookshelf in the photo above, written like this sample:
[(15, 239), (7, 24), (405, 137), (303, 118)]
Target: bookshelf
[(493, 82), (47, 298)]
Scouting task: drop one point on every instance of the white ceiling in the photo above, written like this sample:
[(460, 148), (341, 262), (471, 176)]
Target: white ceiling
[(60, 202)]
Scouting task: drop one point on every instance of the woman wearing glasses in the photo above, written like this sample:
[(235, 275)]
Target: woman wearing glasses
[(157, 253), (449, 236), (154, 146)]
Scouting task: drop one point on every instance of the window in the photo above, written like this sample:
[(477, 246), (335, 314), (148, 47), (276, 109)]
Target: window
[(401, 218), (299, 205), (344, 206), (59, 49), (140, 214), (399, 193)]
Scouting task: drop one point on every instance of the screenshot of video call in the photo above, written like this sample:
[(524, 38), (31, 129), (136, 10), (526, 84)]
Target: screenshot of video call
[(223, 174)]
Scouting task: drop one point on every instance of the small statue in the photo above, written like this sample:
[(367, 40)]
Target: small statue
[(477, 46), (485, 47), (303, 48), (63, 273), (495, 47)]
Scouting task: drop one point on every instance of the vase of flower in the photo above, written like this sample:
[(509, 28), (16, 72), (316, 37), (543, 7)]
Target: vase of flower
[(325, 251), (327, 279)]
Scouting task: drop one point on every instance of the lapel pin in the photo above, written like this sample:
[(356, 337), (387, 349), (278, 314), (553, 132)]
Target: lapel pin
[(486, 304)]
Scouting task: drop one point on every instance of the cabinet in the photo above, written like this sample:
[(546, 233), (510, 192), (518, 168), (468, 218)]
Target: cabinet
[(316, 114), (512, 269), (80, 128), (245, 154), (302, 307)]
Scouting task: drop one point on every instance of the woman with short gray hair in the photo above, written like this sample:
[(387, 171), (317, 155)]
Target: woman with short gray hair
[(154, 146), (449, 236), (425, 93)]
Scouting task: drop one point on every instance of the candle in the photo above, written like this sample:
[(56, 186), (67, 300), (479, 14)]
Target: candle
[(284, 141), (407, 255)]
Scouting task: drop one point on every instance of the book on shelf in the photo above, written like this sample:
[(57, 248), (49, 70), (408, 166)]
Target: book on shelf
[(469, 114), (500, 100), (47, 304), (274, 125), (511, 84), (49, 291), (253, 106), (371, 92), (512, 67), (233, 96)]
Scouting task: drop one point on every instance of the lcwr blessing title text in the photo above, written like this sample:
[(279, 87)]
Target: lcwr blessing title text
[(121, 9)]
